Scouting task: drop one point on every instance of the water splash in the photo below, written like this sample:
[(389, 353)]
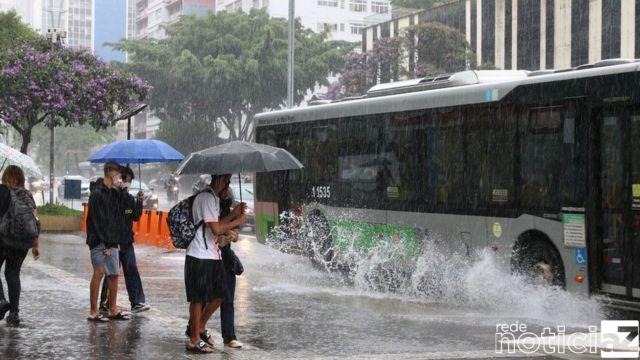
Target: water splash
[(477, 281)]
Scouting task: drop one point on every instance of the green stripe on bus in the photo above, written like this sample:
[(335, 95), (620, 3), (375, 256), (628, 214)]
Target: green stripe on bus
[(365, 236), (265, 223)]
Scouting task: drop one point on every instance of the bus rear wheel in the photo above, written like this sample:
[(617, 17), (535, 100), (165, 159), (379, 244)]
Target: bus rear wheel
[(319, 244), (539, 261)]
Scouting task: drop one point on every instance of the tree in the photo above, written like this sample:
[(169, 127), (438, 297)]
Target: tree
[(361, 71), (417, 4), (40, 81), (75, 143), (13, 31), (189, 135), (229, 66), (439, 49)]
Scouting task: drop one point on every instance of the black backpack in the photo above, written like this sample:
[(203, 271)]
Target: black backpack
[(19, 227), (180, 221)]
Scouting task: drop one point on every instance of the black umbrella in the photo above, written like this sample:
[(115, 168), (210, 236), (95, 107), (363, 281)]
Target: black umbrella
[(237, 157)]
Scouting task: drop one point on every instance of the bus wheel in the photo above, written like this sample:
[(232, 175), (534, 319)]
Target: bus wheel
[(539, 261), (319, 246)]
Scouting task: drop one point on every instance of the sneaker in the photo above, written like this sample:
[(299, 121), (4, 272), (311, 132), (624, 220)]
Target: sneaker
[(13, 319), (140, 308), (234, 344)]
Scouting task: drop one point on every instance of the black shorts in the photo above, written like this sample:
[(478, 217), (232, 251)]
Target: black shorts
[(204, 279)]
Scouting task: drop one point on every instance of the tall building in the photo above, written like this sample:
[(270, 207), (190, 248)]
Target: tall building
[(30, 11), (110, 26), (533, 34), (153, 15), (345, 19)]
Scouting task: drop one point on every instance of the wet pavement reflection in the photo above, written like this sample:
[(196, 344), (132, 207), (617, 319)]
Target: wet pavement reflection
[(285, 308)]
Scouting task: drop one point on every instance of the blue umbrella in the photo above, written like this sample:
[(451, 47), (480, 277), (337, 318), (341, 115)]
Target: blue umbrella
[(136, 152)]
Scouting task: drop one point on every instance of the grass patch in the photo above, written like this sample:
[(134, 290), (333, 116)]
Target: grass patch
[(57, 210)]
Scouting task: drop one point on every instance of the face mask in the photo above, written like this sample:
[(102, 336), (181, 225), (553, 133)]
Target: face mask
[(118, 182), (125, 185)]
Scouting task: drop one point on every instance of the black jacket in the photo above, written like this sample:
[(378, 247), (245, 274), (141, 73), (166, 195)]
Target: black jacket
[(5, 199), (131, 210), (103, 217)]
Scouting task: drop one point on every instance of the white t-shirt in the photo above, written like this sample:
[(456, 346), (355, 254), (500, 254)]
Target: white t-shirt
[(206, 206)]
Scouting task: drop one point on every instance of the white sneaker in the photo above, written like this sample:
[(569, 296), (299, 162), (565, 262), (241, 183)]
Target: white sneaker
[(140, 308), (234, 344)]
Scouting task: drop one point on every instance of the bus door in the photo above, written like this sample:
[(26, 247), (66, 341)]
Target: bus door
[(617, 231)]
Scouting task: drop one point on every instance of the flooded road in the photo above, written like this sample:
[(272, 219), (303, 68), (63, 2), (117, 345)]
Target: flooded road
[(286, 305)]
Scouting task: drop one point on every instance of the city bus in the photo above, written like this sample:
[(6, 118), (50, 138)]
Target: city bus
[(541, 167)]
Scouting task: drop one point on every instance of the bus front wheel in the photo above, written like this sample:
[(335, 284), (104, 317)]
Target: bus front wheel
[(539, 261), (319, 246)]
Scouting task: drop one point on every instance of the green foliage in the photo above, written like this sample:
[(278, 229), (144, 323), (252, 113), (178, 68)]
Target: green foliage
[(57, 210), (227, 67), (12, 31), (416, 4), (440, 49), (73, 144), (189, 135)]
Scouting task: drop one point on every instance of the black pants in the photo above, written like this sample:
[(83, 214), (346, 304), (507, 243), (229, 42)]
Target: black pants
[(227, 321), (131, 277), (13, 259)]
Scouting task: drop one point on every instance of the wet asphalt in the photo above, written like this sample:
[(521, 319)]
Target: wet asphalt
[(285, 308)]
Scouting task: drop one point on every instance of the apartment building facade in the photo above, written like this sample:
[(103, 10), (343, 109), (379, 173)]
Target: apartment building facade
[(532, 34), (153, 16), (345, 19)]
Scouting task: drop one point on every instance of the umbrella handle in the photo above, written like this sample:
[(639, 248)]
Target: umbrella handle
[(240, 185)]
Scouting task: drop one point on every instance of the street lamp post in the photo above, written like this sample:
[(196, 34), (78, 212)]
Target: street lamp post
[(291, 51), (54, 35)]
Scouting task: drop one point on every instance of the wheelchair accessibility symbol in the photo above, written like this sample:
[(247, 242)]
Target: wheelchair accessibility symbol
[(581, 256)]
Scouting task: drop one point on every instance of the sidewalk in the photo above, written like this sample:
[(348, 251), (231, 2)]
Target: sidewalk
[(54, 304)]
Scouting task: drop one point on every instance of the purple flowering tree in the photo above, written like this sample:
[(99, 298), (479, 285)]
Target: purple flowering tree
[(61, 86), (363, 70)]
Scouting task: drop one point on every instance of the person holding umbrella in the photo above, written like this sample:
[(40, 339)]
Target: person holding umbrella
[(204, 274)]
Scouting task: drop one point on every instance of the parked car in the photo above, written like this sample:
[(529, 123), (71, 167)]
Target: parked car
[(150, 198), (84, 186)]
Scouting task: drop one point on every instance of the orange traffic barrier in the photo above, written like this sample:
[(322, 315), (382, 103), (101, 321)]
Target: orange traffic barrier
[(151, 229), (85, 213), (165, 235)]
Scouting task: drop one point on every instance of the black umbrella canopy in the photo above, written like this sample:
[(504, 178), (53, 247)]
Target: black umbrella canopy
[(238, 157)]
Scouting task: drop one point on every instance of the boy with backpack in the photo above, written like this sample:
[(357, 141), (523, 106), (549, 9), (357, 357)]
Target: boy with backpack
[(19, 231), (204, 276)]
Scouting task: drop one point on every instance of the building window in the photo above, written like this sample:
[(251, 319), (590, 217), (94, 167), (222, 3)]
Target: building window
[(256, 4), (322, 26), (237, 5), (342, 27), (380, 7), (265, 3), (358, 5), (329, 3), (356, 29)]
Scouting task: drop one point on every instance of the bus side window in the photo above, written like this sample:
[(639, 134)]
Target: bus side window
[(489, 156), (552, 163)]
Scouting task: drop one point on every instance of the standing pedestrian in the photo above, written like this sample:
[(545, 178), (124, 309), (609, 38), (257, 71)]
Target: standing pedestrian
[(205, 281), (130, 209), (229, 259), (102, 238), (17, 207)]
